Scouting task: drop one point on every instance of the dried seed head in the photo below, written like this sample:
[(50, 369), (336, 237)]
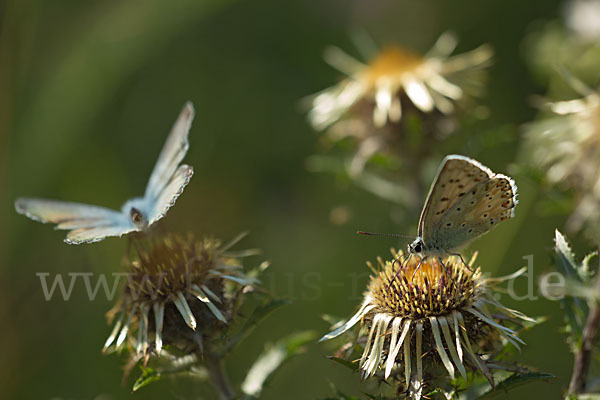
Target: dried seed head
[(180, 292)]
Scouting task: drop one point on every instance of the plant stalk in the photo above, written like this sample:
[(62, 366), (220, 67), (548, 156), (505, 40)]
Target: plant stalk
[(584, 356), (218, 377)]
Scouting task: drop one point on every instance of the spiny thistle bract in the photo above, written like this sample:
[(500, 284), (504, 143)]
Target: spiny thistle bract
[(181, 293), (414, 317)]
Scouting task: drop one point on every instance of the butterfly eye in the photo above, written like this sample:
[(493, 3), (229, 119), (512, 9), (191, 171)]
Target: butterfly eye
[(418, 248), (136, 216)]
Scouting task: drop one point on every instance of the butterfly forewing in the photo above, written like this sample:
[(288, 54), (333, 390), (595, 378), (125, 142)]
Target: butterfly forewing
[(172, 153), (465, 201), (97, 233)]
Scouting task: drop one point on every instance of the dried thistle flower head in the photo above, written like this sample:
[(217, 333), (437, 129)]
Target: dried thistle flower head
[(414, 317), (180, 292), (566, 145), (369, 104), (394, 72)]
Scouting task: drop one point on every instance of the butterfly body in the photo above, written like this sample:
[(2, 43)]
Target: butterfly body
[(465, 201), (137, 210), (88, 223), (419, 247)]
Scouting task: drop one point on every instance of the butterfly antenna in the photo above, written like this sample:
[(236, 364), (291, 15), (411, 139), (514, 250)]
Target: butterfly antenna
[(462, 259), (383, 234)]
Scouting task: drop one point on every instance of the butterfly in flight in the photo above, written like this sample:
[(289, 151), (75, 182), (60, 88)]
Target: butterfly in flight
[(88, 223), (465, 201)]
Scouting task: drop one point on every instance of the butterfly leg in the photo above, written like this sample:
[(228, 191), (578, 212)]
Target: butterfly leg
[(461, 259), (401, 267), (418, 267), (446, 270), (398, 258)]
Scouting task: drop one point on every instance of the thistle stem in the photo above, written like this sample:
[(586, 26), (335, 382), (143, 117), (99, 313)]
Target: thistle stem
[(583, 357), (218, 377)]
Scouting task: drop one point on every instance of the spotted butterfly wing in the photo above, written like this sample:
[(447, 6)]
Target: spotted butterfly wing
[(465, 201)]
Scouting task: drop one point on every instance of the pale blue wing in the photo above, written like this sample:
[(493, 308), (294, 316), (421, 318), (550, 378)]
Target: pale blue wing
[(165, 200), (87, 223), (97, 233), (171, 155)]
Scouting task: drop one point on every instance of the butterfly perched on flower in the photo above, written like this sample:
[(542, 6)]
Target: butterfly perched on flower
[(89, 223), (465, 201)]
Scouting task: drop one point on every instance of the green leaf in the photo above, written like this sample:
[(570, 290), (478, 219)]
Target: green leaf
[(587, 272), (148, 376), (272, 359), (348, 364), (574, 308), (565, 256), (513, 381)]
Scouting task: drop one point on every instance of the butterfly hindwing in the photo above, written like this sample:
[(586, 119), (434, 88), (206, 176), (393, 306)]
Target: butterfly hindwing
[(87, 223), (97, 233), (170, 193), (484, 206)]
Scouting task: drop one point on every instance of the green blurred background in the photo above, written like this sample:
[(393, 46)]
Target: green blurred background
[(88, 92)]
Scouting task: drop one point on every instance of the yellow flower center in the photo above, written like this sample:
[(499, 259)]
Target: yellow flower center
[(415, 288), (392, 63)]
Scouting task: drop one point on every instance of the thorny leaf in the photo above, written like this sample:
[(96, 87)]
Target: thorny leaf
[(574, 308), (169, 364), (348, 364), (514, 381), (148, 376), (586, 271)]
